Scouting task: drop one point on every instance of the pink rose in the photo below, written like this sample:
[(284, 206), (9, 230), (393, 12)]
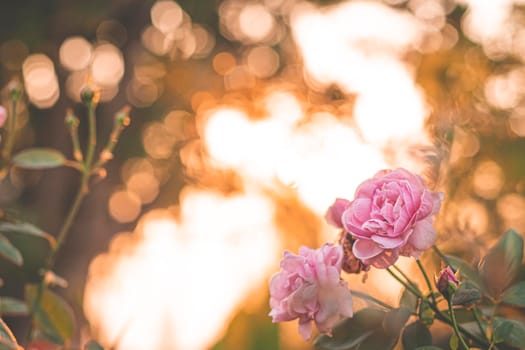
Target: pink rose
[(391, 215), (3, 116), (309, 288), (334, 213)]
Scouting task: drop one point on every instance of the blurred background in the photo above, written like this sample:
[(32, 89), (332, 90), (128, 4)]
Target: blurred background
[(248, 119)]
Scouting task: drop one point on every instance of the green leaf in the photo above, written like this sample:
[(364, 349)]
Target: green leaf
[(453, 342), (395, 320), (515, 295), (426, 315), (378, 340), (502, 262), (39, 158), (462, 315), (416, 335), (467, 294), (93, 345), (511, 332), (54, 317), (7, 339), (34, 244), (465, 270), (24, 228), (9, 251), (13, 307), (351, 332), (408, 300)]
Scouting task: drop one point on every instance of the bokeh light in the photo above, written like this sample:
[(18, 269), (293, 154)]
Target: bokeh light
[(75, 53), (256, 22), (158, 142), (223, 62), (262, 61), (166, 16), (124, 206), (107, 67), (40, 80), (488, 179)]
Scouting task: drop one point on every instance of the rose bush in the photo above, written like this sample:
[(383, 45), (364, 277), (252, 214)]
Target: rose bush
[(391, 215), (309, 287)]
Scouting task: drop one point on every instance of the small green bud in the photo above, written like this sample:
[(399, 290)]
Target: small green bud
[(15, 90), (88, 95), (122, 117), (71, 119)]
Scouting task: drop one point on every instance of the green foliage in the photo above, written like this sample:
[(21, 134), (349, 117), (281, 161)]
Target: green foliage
[(467, 294), (13, 307), (24, 228), (498, 270), (426, 315), (53, 316), (501, 265), (515, 295), (7, 339), (395, 320), (364, 331), (511, 332), (453, 342), (462, 315), (416, 335), (9, 251), (408, 300), (376, 329), (33, 244), (39, 158)]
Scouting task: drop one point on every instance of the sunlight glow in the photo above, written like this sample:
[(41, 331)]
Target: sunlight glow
[(316, 154), (174, 270), (364, 57)]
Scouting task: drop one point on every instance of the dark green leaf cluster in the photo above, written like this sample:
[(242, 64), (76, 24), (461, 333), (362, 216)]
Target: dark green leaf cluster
[(480, 305)]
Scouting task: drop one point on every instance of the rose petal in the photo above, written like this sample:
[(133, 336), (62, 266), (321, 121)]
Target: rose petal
[(388, 242), (350, 225), (424, 235), (305, 329), (437, 198), (292, 262), (360, 209), (386, 259), (334, 213), (426, 206), (365, 249)]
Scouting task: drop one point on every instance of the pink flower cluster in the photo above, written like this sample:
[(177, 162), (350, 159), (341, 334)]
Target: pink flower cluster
[(391, 215), (309, 287)]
